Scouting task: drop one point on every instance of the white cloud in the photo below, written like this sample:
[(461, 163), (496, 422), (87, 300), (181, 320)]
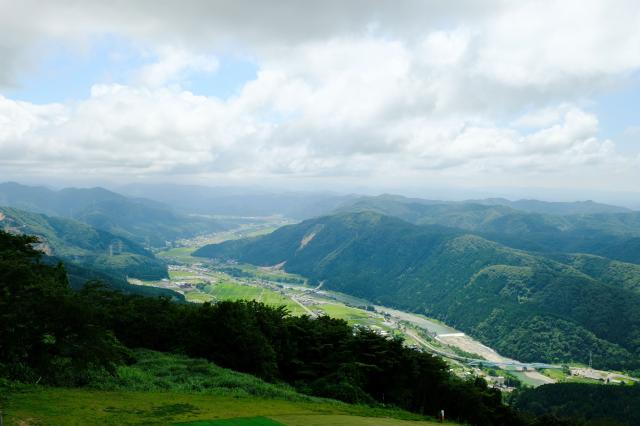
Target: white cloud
[(355, 88), (131, 131), (173, 65)]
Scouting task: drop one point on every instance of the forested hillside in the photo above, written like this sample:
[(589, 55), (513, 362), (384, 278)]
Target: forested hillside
[(523, 304), (147, 222), (598, 229), (554, 207), (84, 245), (589, 404)]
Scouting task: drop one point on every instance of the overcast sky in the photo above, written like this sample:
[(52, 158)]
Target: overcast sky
[(323, 94)]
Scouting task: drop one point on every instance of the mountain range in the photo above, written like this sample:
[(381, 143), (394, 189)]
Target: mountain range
[(527, 305), (89, 253), (587, 227), (147, 222)]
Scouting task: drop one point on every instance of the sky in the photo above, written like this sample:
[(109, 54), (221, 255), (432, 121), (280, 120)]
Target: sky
[(514, 98)]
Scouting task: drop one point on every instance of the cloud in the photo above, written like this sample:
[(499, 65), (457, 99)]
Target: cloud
[(174, 65), (451, 89), (129, 131)]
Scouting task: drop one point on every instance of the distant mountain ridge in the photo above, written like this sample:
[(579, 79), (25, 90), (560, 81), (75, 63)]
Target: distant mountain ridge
[(144, 221), (615, 235), (240, 201), (525, 305), (554, 207)]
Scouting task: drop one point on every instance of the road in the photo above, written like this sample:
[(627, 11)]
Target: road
[(309, 311)]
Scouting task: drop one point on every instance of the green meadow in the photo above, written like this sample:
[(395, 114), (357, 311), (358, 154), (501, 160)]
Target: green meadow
[(161, 389)]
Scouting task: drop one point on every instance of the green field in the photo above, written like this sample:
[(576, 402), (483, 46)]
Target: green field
[(177, 275), (234, 291), (198, 297), (347, 313)]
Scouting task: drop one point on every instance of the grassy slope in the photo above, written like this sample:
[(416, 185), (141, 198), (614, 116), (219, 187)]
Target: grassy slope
[(162, 389), (56, 406)]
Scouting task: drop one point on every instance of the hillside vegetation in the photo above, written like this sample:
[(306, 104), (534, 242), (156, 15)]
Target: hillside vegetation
[(137, 219), (523, 304), (85, 246), (43, 323), (529, 225), (584, 403)]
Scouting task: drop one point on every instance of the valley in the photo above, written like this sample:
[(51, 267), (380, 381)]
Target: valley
[(348, 306), (201, 280)]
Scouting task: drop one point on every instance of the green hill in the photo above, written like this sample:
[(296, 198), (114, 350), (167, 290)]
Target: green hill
[(84, 245), (147, 222), (523, 304), (555, 208), (605, 231)]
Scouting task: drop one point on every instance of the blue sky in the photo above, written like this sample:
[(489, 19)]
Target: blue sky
[(63, 73)]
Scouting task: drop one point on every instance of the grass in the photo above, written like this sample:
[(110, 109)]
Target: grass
[(196, 297), (178, 253), (234, 291), (157, 371), (177, 274), (240, 421), (310, 420), (161, 389), (351, 315), (59, 406)]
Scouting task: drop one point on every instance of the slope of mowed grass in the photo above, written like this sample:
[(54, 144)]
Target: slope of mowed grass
[(345, 420), (241, 421), (310, 420), (60, 406)]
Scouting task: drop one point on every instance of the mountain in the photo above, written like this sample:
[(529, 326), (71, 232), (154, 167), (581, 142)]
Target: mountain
[(239, 201), (556, 208), (147, 222), (612, 235), (524, 304), (83, 245)]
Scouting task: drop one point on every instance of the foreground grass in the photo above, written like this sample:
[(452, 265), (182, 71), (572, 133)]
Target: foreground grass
[(59, 406), (310, 420), (162, 389)]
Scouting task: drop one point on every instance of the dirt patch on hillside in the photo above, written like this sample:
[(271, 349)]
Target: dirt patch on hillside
[(306, 240)]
